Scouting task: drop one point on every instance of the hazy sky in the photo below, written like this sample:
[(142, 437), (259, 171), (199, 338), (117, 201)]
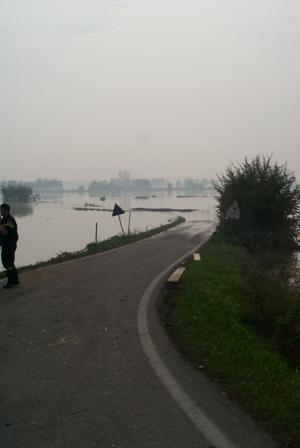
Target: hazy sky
[(158, 87)]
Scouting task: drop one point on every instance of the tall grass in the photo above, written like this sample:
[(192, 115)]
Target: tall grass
[(237, 320), (274, 306)]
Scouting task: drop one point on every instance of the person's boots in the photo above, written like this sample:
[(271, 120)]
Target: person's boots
[(10, 281), (15, 277)]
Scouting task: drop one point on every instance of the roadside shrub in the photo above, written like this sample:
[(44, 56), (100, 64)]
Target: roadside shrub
[(268, 199), (275, 308)]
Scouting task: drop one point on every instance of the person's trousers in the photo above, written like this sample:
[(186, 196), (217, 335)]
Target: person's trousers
[(8, 261)]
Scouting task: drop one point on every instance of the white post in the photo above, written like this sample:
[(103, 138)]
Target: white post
[(129, 220), (96, 233)]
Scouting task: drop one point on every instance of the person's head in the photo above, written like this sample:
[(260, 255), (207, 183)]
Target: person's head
[(4, 209)]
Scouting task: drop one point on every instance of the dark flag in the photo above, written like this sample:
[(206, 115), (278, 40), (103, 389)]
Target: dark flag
[(117, 211)]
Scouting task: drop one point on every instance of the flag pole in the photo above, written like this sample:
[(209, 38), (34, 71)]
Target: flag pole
[(96, 233), (129, 220), (121, 224)]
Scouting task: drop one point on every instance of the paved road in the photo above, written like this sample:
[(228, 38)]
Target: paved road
[(73, 370)]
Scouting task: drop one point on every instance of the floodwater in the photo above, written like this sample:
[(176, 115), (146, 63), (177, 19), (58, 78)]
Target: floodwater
[(51, 226)]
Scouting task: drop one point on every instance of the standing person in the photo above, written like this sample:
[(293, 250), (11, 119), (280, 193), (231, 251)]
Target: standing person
[(9, 238)]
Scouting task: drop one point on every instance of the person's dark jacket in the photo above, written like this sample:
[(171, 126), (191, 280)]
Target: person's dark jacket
[(9, 240)]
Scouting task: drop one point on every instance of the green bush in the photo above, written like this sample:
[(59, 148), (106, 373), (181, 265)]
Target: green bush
[(275, 308), (268, 199), (213, 317)]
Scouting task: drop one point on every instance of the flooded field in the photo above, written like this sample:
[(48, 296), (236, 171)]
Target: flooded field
[(52, 225)]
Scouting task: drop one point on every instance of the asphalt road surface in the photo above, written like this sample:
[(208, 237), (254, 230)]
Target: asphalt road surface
[(74, 371)]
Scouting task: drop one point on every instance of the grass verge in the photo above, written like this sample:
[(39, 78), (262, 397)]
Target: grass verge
[(209, 318), (110, 243)]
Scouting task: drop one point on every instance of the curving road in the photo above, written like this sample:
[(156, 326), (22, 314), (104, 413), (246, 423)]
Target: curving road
[(79, 371)]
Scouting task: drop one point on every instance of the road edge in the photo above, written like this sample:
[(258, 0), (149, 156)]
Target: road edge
[(207, 428)]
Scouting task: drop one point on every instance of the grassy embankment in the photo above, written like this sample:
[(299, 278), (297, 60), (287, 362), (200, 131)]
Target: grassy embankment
[(251, 348), (111, 243)]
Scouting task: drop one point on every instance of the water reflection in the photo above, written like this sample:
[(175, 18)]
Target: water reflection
[(54, 196), (21, 209)]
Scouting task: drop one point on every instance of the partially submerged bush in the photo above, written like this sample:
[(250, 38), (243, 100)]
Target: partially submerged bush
[(268, 200), (16, 193)]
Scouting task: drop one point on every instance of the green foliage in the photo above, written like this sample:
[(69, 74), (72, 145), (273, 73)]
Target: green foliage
[(47, 185), (268, 199), (275, 307), (16, 193), (214, 324), (121, 240)]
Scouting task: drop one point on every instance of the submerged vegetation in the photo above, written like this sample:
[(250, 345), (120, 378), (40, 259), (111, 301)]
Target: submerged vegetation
[(137, 209), (16, 193), (37, 186)]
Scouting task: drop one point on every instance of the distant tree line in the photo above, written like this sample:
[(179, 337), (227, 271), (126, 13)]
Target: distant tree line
[(37, 186), (124, 182), (117, 184), (121, 183), (47, 185), (194, 184), (16, 193)]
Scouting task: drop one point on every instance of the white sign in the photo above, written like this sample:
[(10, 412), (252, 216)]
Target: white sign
[(233, 212)]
